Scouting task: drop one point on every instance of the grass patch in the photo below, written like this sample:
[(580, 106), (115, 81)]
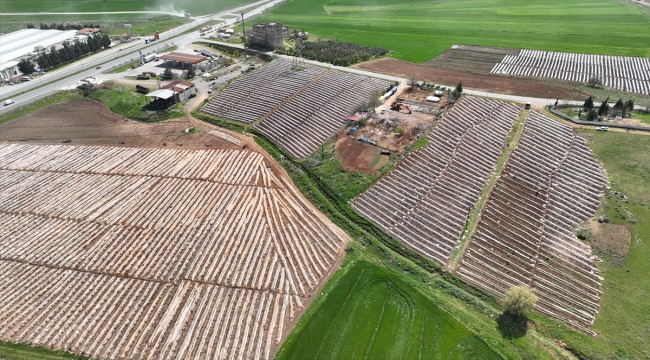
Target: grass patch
[(194, 7), (124, 100), (11, 351), (345, 184), (644, 117), (369, 313), (55, 98), (406, 28)]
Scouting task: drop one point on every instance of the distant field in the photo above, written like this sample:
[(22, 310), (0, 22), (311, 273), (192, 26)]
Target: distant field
[(194, 7), (142, 23), (373, 315), (420, 30)]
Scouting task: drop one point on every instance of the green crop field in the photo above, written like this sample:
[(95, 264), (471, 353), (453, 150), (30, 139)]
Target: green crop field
[(194, 7), (370, 314), (418, 30)]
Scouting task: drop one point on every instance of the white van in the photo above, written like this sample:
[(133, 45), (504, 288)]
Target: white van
[(9, 102)]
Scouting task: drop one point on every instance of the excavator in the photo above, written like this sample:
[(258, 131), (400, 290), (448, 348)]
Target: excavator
[(397, 106)]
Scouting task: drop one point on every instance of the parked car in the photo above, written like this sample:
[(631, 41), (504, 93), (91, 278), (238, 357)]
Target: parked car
[(9, 102), (602, 128)]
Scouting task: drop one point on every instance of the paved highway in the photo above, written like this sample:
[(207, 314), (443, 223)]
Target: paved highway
[(51, 82)]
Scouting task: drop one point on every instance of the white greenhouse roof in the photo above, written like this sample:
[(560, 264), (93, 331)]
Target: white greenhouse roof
[(163, 94), (22, 42)]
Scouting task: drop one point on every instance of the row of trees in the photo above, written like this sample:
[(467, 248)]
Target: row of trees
[(621, 108), (62, 26), (340, 53), (71, 52)]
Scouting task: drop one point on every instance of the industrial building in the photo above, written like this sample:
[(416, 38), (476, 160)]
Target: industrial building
[(29, 44), (271, 34)]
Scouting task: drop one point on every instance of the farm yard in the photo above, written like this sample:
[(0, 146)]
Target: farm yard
[(525, 236), (157, 237), (417, 31), (425, 201), (299, 110)]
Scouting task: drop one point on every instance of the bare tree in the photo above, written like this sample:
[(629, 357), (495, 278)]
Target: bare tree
[(594, 81)]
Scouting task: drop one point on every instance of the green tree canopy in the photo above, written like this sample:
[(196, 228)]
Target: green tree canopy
[(519, 300)]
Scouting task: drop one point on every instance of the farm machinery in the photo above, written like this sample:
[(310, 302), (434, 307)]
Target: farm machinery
[(398, 106)]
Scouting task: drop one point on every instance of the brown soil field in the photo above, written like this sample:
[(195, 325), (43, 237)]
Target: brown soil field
[(489, 83), (611, 239), (358, 157), (89, 122)]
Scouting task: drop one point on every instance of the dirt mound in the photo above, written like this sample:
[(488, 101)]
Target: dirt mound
[(612, 240), (358, 157), (89, 122), (492, 83)]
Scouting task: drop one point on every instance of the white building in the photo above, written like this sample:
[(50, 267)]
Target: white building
[(29, 44)]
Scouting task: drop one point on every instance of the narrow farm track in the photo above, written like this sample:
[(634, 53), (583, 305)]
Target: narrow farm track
[(125, 253), (525, 236)]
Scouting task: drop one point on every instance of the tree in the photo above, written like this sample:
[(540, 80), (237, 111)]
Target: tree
[(618, 108), (629, 106), (455, 95), (26, 67), (604, 108), (592, 115), (191, 73), (105, 41), (168, 72), (459, 88), (519, 301), (589, 104), (594, 81)]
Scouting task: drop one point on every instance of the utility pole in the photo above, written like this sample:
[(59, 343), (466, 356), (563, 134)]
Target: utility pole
[(243, 26)]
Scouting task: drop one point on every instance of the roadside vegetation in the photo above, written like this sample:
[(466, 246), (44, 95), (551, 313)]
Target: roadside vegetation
[(419, 31)]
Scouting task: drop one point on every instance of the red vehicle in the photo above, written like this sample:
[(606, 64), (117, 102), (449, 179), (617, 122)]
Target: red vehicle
[(99, 67)]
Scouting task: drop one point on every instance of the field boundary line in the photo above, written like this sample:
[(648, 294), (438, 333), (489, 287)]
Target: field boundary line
[(140, 175), (475, 214)]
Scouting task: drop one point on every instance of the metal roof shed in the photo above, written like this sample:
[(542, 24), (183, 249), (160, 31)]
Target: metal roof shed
[(161, 94)]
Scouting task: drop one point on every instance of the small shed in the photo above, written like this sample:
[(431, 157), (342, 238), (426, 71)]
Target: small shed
[(162, 98)]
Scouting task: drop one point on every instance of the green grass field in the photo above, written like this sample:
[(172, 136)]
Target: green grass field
[(370, 314), (194, 7), (624, 318), (418, 30)]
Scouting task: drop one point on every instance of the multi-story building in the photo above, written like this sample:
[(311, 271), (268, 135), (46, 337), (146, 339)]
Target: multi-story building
[(271, 34)]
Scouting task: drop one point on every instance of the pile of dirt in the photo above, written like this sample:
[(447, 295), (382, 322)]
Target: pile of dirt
[(489, 83), (611, 240), (86, 121), (358, 157)]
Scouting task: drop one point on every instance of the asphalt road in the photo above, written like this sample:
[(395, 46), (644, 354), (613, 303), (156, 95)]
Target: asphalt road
[(51, 82)]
